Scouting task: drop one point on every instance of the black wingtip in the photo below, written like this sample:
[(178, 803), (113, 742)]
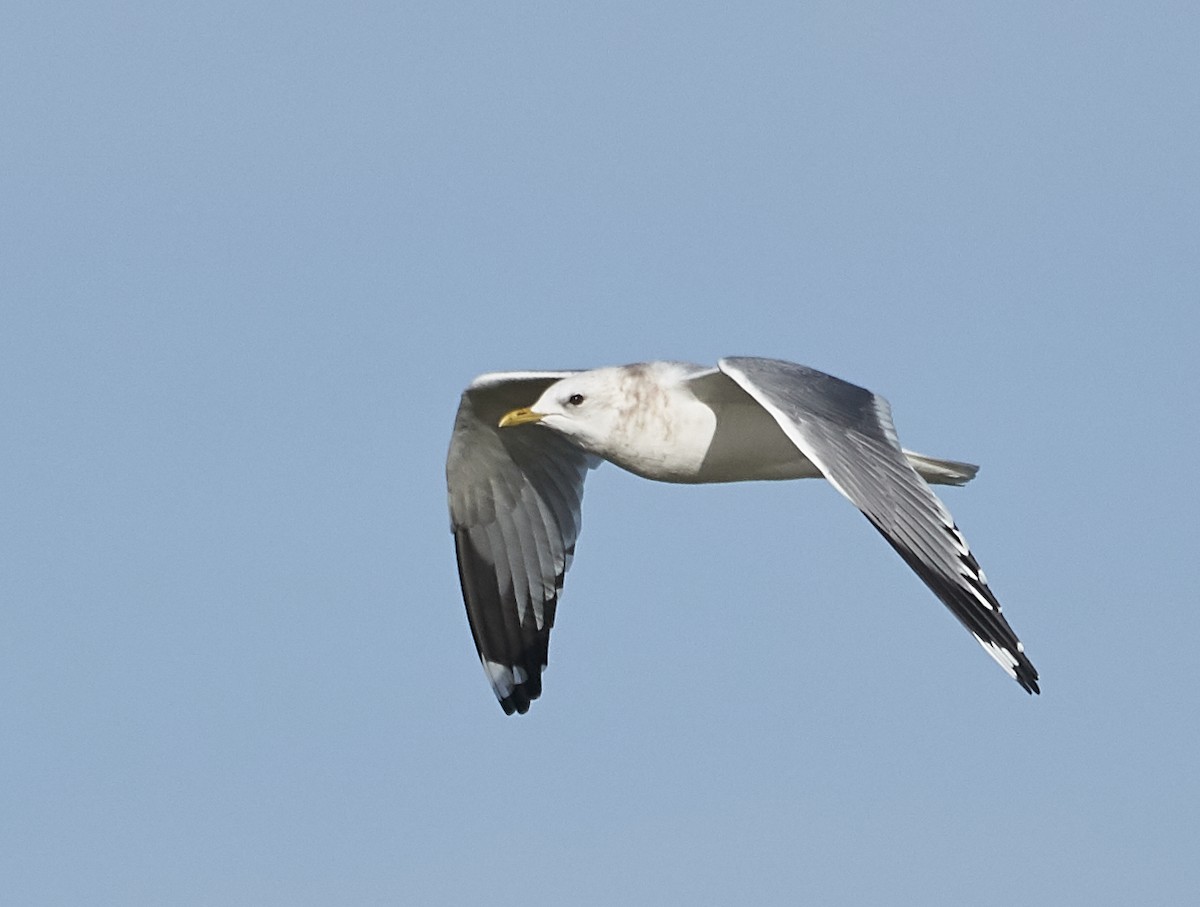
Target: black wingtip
[(520, 695), (517, 702), (1027, 677)]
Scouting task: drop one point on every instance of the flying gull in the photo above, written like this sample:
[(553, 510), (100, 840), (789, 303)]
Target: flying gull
[(524, 441)]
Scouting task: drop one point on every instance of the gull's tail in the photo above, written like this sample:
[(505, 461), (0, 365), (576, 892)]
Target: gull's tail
[(941, 472)]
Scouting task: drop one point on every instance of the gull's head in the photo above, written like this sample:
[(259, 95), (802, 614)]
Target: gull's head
[(585, 408)]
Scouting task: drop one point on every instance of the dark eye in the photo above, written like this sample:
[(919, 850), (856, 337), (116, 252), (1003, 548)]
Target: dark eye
[(575, 399)]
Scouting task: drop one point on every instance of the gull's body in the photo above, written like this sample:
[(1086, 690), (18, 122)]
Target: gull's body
[(523, 442)]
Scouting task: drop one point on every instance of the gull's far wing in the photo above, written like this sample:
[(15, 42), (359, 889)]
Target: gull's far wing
[(847, 432), (515, 498)]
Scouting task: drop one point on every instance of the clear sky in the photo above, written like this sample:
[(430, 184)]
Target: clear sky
[(251, 253)]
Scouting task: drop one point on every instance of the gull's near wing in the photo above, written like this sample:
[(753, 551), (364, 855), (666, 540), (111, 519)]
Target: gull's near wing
[(515, 500), (847, 432)]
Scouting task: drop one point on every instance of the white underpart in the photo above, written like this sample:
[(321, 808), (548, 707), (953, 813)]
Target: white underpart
[(667, 440)]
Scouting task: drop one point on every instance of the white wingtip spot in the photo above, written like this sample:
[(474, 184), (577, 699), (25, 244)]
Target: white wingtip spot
[(501, 677), (1003, 657), (979, 595), (960, 543)]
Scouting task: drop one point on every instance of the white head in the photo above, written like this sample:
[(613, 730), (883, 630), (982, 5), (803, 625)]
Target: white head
[(641, 417), (585, 407)]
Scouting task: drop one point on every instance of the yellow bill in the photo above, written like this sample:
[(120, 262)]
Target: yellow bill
[(520, 416)]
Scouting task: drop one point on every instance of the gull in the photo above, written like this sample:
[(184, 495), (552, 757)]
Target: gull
[(523, 443)]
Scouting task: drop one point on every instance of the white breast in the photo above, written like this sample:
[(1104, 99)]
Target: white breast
[(665, 439), (679, 438)]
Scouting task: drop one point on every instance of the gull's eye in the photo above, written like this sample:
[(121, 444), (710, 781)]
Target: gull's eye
[(575, 399)]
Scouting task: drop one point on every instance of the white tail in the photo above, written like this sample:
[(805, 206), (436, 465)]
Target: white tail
[(941, 472)]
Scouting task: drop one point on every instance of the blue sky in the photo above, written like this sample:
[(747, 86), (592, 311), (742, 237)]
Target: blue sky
[(249, 257)]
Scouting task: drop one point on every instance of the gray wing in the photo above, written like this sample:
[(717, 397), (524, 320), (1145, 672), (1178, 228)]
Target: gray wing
[(515, 498), (847, 432)]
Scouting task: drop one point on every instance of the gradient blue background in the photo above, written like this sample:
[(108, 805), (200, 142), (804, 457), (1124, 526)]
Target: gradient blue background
[(251, 253)]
